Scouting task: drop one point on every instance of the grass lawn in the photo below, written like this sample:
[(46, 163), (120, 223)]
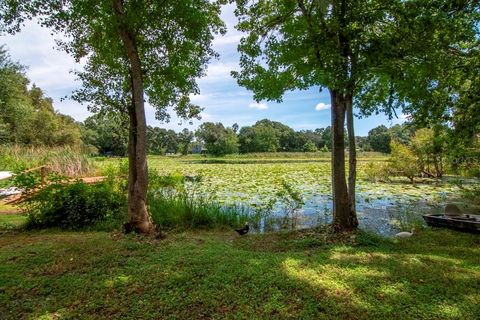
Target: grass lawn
[(217, 275), (11, 221)]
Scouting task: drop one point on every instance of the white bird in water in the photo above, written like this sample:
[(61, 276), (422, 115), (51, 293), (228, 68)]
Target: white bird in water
[(405, 234)]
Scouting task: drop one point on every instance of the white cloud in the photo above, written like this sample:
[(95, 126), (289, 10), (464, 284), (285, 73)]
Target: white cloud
[(322, 106), (227, 39), (218, 72), (206, 116), (258, 105), (198, 98)]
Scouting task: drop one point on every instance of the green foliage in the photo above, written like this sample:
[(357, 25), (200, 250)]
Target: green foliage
[(382, 53), (162, 141), (272, 136), (12, 221), (174, 43), (292, 200), (379, 139), (218, 140), (258, 138), (107, 132), (403, 161), (429, 147), (463, 157), (26, 115), (309, 146), (377, 171), (185, 139), (76, 206)]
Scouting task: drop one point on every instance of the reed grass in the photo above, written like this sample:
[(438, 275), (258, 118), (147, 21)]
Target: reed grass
[(67, 161), (174, 203)]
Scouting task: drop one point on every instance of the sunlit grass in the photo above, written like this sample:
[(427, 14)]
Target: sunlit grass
[(12, 221), (192, 275)]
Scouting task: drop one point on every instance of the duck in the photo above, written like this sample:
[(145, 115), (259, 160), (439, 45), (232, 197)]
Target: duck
[(405, 234), (243, 230)]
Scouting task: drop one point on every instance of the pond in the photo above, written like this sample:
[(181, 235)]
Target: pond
[(384, 208)]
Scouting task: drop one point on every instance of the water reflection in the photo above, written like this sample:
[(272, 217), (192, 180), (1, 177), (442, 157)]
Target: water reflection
[(385, 216)]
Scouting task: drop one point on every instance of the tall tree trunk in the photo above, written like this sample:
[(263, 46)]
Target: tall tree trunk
[(343, 216), (352, 159), (139, 219)]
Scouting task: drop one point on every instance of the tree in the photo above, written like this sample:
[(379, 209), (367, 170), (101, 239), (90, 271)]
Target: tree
[(314, 137), (131, 49), (15, 110), (402, 132), (185, 139), (161, 141), (403, 161), (362, 143), (429, 146), (379, 139), (452, 99), (27, 116), (258, 138), (218, 140), (309, 146), (365, 53), (326, 134), (107, 132)]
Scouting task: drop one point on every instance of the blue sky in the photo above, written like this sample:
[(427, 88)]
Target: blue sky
[(220, 96)]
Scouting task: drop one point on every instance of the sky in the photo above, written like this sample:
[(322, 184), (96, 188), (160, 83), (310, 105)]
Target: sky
[(221, 97)]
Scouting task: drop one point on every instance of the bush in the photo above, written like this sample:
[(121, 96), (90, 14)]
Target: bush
[(76, 206), (376, 172)]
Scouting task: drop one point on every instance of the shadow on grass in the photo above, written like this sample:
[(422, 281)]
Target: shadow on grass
[(211, 275)]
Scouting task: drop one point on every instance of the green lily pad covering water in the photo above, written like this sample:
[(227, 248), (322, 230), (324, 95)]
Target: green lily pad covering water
[(381, 206)]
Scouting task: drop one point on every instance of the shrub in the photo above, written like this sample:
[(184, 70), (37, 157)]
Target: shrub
[(76, 206), (377, 171)]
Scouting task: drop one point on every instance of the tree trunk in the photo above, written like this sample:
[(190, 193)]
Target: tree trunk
[(352, 158), (343, 217), (139, 219)]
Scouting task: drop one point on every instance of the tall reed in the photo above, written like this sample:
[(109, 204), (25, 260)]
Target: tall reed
[(68, 161)]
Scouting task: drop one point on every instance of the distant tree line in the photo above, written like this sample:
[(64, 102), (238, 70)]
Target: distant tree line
[(107, 132), (28, 117)]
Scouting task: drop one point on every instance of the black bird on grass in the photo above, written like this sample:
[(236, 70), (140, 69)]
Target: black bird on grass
[(243, 230)]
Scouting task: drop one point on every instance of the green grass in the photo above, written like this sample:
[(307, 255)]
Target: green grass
[(302, 275), (11, 221)]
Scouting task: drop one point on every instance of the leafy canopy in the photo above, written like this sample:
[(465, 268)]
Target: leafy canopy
[(173, 39), (384, 53)]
